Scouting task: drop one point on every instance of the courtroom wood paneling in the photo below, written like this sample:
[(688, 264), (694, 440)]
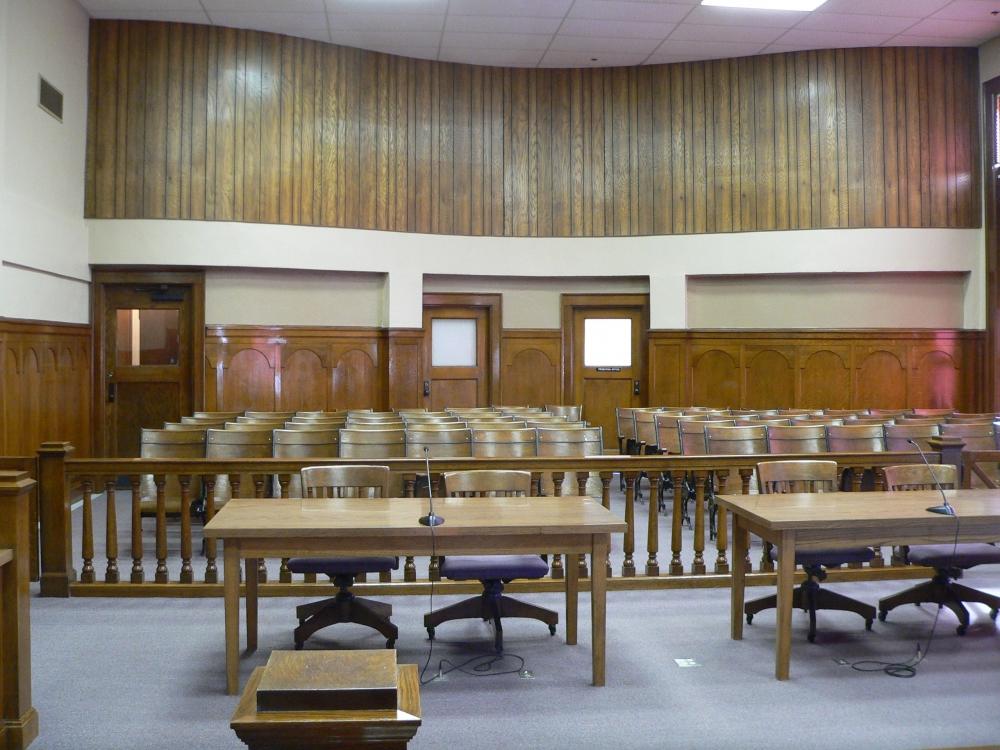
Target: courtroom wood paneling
[(530, 367), (294, 368), (815, 369), (198, 122), (45, 391)]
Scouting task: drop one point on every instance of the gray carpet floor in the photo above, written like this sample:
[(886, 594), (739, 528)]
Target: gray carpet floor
[(150, 673)]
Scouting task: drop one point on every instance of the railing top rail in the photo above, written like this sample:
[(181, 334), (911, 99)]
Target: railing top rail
[(971, 466)]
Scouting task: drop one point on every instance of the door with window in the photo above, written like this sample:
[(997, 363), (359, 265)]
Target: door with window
[(148, 356), (461, 350), (604, 352)]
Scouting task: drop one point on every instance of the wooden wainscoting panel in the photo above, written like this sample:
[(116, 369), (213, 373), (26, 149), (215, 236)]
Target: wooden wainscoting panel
[(714, 375), (45, 393), (406, 367), (769, 376), (880, 374), (666, 372), (221, 124), (824, 376), (530, 370), (303, 379)]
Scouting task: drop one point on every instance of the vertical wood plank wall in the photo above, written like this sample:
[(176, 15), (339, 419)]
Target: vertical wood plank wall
[(200, 122), (45, 386)]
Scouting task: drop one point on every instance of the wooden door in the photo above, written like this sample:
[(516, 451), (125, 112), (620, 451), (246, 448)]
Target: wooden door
[(605, 357), (149, 350), (456, 353)]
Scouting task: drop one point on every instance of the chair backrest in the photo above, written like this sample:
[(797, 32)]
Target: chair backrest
[(557, 441), (625, 422), (692, 433), (395, 425), (182, 427), (918, 477), (800, 412), (487, 483), (503, 442), (572, 412), (668, 439), (889, 412), (855, 438), (796, 439), (312, 426), (453, 443), (238, 443), (280, 416), (645, 426), (897, 436), (322, 414), (365, 443), (844, 412), (325, 419), (783, 421), (205, 421), (410, 412), (420, 419), (355, 412), (862, 419), (306, 443), (805, 420), (494, 424), (776, 477), (253, 426), (970, 419), (345, 481), (731, 441), (933, 412), (434, 426), (518, 410), (217, 415), (372, 417), (977, 436), (172, 443), (904, 419)]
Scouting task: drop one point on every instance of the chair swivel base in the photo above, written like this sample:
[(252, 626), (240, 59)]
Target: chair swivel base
[(344, 607), (810, 597), (944, 592), (489, 607)]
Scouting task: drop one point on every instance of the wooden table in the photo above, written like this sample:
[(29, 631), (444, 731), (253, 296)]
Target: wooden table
[(258, 528), (805, 521)]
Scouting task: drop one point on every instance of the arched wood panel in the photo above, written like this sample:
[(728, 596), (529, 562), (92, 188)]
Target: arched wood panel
[(355, 382), (882, 380), (770, 378), (303, 382), (531, 378), (249, 382), (715, 379), (825, 380), (935, 380)]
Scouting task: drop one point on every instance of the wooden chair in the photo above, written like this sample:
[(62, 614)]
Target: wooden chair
[(855, 438), (898, 436), (722, 440), (239, 443), (280, 416), (217, 415), (692, 433), (493, 571), (494, 424), (322, 414), (778, 477), (573, 441), (572, 412), (918, 420), (206, 422), (668, 437), (933, 412), (796, 439), (503, 442), (304, 444), (970, 419), (450, 443), (627, 444), (869, 420), (415, 419), (253, 426), (889, 412), (845, 412), (520, 410), (372, 443), (168, 443), (810, 420), (948, 560), (977, 436), (645, 429), (343, 482)]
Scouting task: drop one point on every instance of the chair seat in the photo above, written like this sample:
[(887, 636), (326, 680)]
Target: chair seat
[(830, 558), (966, 555), (342, 566), (488, 567)]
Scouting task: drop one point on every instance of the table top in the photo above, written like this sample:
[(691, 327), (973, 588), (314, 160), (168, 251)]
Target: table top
[(6, 555), (346, 517), (804, 510)]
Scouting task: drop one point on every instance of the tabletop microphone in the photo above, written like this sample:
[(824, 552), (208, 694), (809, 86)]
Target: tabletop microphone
[(945, 509), (432, 519)]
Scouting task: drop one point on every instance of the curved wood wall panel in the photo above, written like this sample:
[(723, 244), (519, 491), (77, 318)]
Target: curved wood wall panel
[(816, 369), (530, 367), (198, 122), (45, 391)]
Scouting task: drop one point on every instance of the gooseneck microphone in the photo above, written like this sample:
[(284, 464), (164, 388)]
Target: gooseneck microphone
[(945, 509), (431, 519)]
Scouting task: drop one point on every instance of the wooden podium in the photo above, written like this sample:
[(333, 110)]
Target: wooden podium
[(329, 699)]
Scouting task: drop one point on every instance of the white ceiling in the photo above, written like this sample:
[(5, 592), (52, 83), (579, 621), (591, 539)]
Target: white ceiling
[(574, 33)]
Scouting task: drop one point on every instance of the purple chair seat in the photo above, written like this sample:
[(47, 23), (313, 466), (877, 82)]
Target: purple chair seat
[(489, 567), (966, 555), (342, 566), (830, 558)]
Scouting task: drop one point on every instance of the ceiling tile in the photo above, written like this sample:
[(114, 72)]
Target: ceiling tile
[(264, 6), (621, 29), (619, 10), (105, 7), (567, 43), (384, 40), (907, 40), (468, 40), (855, 22), (827, 39), (503, 8), (177, 16), (959, 29), (970, 10), (501, 57), (310, 25), (563, 59), (387, 6), (711, 15), (498, 25), (912, 8), (385, 22), (693, 32), (709, 50)]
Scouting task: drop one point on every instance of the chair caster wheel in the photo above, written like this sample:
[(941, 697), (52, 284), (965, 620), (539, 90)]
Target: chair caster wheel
[(811, 637), (552, 629), (868, 624), (390, 643), (960, 629), (749, 619), (993, 613), (882, 614), (298, 646), (430, 633)]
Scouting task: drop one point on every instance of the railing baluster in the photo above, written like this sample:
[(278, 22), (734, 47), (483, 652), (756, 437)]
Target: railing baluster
[(87, 574), (211, 571), (558, 571), (111, 533), (628, 544), (259, 485), (606, 502), (234, 486), (283, 482), (162, 575), (676, 520), (653, 525), (581, 487), (138, 574), (721, 526), (409, 566), (745, 476), (187, 572), (700, 480)]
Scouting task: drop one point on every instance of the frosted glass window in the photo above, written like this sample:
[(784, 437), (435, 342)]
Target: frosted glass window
[(453, 342), (607, 342)]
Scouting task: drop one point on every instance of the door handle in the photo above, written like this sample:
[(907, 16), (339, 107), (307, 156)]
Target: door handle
[(427, 388), (635, 387), (112, 392)]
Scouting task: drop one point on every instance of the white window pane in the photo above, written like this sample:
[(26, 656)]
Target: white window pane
[(607, 342), (453, 342)]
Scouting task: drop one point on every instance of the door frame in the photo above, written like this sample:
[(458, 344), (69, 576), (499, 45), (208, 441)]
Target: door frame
[(571, 304), (104, 276), (493, 306), (991, 205)]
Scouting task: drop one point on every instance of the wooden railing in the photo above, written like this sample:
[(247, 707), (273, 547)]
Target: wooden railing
[(18, 719), (60, 474), (981, 467), (29, 465)]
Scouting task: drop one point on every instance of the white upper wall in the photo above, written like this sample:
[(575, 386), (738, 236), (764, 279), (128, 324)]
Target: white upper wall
[(42, 162), (989, 60)]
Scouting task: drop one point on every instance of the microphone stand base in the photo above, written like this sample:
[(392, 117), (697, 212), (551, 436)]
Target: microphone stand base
[(944, 510), (431, 520)]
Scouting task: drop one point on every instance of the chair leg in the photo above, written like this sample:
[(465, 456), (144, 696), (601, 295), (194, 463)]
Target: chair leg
[(967, 594), (467, 609), (826, 599), (928, 591)]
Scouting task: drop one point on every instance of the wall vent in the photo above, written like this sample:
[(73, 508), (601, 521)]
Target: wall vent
[(50, 99)]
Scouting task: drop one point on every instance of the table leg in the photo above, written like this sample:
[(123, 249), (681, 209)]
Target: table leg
[(598, 601), (738, 590), (786, 583), (251, 603), (231, 595), (572, 597)]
